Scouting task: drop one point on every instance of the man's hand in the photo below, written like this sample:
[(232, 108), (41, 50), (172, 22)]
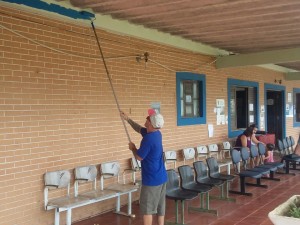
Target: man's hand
[(124, 116), (132, 146)]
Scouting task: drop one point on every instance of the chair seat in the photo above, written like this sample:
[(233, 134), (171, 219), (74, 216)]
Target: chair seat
[(252, 174), (122, 188), (99, 194), (277, 164), (67, 202), (268, 167), (200, 188), (210, 181), (292, 156), (222, 176), (179, 194), (260, 170)]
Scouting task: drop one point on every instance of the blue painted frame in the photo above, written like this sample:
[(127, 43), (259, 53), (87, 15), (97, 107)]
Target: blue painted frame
[(275, 88), (295, 123), (180, 76), (50, 7), (234, 82)]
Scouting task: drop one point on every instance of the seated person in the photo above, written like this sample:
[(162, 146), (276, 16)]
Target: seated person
[(254, 140), (245, 139)]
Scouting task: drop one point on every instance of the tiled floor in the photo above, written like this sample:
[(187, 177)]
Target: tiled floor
[(245, 211)]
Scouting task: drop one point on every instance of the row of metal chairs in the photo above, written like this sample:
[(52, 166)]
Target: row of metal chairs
[(287, 153), (200, 182), (61, 179), (192, 154), (206, 176), (286, 146)]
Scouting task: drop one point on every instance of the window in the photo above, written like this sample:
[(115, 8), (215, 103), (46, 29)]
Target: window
[(243, 105), (296, 100), (191, 98)]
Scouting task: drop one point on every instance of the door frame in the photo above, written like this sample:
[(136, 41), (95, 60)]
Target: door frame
[(274, 87)]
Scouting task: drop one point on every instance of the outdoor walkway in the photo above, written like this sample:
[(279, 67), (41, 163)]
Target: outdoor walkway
[(245, 211)]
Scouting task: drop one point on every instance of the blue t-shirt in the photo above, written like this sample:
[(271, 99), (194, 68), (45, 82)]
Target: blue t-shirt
[(151, 151)]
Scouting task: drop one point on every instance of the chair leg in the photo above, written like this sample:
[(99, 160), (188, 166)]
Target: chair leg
[(56, 217), (202, 208), (258, 184), (69, 216), (271, 177), (177, 216), (242, 188), (182, 212), (222, 197)]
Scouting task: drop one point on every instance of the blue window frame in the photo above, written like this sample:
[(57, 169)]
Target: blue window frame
[(191, 98), (243, 105), (273, 87), (296, 103)]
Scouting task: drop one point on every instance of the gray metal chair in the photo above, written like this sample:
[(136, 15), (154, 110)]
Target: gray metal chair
[(188, 183), (236, 158), (174, 192)]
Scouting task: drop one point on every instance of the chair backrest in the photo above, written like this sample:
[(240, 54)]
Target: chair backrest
[(292, 142), (261, 149), (200, 170), (253, 151), (186, 175), (135, 164), (261, 152), (226, 145), (280, 147), (173, 181), (236, 158), (188, 154), (56, 180), (84, 174), (245, 155), (289, 144), (285, 145), (213, 150), (170, 157), (109, 170), (202, 151), (213, 166)]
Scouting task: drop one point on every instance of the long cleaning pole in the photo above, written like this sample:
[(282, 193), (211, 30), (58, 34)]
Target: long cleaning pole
[(110, 82)]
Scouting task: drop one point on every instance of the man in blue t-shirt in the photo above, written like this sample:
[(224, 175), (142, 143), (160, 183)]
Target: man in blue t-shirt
[(154, 175)]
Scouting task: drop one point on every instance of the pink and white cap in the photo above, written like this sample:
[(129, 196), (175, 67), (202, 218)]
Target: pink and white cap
[(156, 119)]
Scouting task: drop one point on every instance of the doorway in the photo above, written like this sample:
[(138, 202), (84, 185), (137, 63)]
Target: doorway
[(275, 113)]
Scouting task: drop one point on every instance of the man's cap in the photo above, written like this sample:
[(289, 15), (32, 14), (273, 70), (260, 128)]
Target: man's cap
[(156, 119)]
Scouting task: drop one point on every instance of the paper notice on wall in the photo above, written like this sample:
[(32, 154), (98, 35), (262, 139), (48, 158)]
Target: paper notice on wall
[(251, 107), (251, 119), (210, 128)]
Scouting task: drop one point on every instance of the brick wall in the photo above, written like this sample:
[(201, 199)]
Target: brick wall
[(57, 111)]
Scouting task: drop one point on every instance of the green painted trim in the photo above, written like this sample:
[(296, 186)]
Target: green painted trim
[(293, 76), (259, 58), (277, 68)]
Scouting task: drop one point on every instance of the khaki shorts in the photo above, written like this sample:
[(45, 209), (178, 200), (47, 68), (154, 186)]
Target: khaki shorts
[(153, 200)]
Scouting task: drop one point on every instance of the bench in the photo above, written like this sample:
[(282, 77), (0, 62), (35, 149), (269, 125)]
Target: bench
[(61, 179)]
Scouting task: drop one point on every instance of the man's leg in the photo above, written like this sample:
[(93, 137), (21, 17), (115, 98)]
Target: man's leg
[(161, 220), (148, 219)]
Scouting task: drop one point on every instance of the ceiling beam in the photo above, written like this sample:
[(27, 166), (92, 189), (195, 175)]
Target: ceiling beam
[(292, 76), (260, 58)]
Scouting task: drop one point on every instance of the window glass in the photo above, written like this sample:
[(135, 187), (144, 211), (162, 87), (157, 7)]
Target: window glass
[(296, 100), (243, 105), (190, 98)]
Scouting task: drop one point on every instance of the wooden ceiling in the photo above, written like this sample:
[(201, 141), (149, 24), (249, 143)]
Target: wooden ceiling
[(239, 27)]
